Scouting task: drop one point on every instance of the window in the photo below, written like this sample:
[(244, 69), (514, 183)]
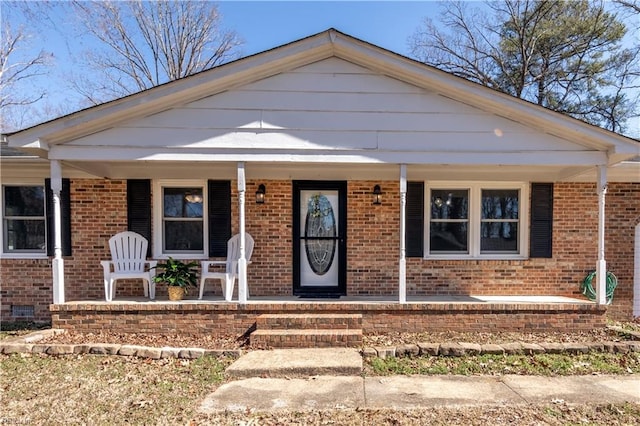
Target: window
[(182, 219), (181, 213), (476, 220), (23, 219), (449, 227), (499, 221)]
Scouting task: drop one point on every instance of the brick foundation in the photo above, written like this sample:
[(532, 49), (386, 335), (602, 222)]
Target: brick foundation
[(223, 318)]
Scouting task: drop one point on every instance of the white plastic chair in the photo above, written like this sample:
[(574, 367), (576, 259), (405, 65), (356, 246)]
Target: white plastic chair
[(128, 260), (228, 277)]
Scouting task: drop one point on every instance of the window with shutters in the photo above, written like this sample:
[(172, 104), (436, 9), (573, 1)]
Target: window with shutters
[(23, 226), (180, 219), (479, 220)]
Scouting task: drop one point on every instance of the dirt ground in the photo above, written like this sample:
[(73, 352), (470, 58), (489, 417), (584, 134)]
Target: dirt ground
[(234, 342)]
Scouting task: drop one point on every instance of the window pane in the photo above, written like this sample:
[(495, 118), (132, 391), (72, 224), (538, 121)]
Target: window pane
[(24, 235), (499, 204), (24, 201), (179, 236), (449, 204), (182, 202), (499, 236), (448, 237)]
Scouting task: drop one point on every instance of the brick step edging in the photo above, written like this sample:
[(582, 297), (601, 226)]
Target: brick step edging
[(423, 349), (115, 349), (463, 349)]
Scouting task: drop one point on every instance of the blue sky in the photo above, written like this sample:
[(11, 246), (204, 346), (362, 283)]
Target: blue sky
[(266, 24)]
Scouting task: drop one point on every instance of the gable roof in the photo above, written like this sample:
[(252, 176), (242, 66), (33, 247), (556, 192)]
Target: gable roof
[(327, 44)]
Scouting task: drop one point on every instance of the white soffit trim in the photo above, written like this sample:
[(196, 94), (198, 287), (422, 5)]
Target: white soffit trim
[(626, 171), (101, 153)]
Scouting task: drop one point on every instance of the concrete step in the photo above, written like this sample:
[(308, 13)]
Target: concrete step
[(298, 362), (297, 338), (309, 321)]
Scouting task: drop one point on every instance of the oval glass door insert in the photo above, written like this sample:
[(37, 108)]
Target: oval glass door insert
[(320, 234)]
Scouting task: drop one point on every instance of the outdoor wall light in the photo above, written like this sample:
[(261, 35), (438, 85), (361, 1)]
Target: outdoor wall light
[(260, 194), (377, 195)]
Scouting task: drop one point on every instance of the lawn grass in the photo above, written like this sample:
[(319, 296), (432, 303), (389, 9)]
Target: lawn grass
[(523, 415), (20, 328), (115, 390), (539, 365), (90, 389)]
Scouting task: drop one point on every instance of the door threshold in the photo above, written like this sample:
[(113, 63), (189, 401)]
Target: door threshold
[(319, 296)]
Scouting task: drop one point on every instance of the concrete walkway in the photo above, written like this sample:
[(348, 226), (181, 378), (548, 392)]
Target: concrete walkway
[(404, 392), (295, 362), (285, 380)]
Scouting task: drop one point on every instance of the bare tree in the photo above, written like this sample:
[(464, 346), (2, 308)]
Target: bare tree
[(143, 44), (632, 5), (17, 67), (563, 55)]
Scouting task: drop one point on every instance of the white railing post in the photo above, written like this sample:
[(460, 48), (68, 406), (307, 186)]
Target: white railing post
[(601, 267), (242, 261), (57, 263), (402, 282)]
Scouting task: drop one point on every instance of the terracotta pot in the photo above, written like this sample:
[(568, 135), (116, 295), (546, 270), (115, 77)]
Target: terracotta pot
[(175, 292)]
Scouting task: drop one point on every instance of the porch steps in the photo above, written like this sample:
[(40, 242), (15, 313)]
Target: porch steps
[(307, 330)]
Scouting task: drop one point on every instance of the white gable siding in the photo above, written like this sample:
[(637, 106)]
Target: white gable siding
[(331, 105)]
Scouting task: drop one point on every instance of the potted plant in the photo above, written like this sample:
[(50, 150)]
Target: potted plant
[(178, 276)]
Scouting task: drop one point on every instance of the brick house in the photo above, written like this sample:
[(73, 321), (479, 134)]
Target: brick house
[(426, 185)]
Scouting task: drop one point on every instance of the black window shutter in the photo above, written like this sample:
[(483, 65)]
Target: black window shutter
[(65, 213), (219, 216), (541, 238), (139, 208), (414, 231)]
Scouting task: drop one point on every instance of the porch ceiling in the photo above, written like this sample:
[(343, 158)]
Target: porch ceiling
[(327, 171)]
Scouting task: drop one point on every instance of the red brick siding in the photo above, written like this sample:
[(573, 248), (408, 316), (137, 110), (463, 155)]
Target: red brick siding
[(99, 211), (25, 282), (217, 319), (623, 215), (373, 239), (271, 270)]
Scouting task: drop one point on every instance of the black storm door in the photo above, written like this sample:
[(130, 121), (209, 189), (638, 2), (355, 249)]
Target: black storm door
[(319, 238)]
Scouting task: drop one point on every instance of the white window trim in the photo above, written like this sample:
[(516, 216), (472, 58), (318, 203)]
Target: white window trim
[(157, 214), (23, 255), (475, 189)]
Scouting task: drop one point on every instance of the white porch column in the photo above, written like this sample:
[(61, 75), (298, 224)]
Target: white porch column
[(242, 261), (601, 267), (402, 284), (57, 262)]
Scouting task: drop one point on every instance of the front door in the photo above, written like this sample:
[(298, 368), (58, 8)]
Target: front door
[(319, 238)]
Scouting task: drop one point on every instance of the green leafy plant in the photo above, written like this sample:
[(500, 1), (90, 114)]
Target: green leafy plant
[(176, 273)]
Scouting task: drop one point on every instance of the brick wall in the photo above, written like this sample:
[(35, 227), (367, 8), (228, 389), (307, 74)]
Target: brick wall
[(25, 282), (99, 211), (623, 215), (226, 319), (270, 225)]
